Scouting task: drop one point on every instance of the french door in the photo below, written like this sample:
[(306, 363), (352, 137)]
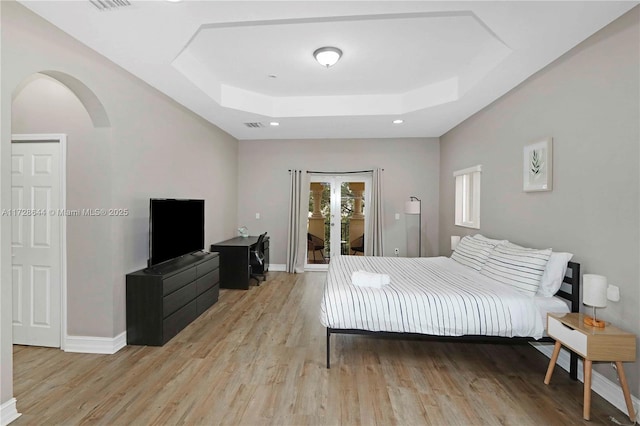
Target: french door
[(338, 211)]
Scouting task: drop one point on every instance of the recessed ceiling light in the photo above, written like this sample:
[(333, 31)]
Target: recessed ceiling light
[(274, 123), (398, 121), (327, 56), (174, 1)]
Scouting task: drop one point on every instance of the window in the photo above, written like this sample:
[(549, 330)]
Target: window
[(468, 197)]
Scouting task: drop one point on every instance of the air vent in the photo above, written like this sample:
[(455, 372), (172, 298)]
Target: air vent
[(104, 5), (254, 125)]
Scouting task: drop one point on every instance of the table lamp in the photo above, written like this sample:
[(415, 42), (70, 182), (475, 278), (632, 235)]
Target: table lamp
[(594, 294)]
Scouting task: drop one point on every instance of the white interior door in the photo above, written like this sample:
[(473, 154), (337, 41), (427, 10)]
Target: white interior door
[(36, 241)]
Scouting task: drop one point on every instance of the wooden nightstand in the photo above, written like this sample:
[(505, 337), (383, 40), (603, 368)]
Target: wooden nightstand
[(593, 344)]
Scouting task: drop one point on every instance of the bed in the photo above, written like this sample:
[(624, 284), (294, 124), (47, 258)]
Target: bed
[(438, 298)]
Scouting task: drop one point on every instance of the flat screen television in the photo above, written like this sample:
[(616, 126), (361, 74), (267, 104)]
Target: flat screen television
[(176, 228)]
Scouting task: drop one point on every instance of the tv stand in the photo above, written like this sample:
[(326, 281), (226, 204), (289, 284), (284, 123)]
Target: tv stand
[(172, 264), (164, 299)]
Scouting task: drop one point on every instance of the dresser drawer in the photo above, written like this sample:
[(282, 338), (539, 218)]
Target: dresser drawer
[(208, 266), (570, 337), (205, 283), (207, 299), (178, 299), (179, 320), (173, 283)]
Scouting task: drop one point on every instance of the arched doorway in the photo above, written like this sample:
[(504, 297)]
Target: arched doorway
[(45, 103)]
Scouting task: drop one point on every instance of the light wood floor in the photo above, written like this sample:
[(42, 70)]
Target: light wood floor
[(258, 357)]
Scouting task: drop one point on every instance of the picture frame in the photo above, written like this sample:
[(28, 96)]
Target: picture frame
[(538, 166)]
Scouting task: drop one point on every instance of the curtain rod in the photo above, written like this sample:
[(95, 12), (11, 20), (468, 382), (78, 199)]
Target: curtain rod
[(338, 173)]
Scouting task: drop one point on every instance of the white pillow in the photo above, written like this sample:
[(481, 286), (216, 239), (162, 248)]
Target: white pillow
[(518, 267), (554, 274), (490, 240), (472, 252)]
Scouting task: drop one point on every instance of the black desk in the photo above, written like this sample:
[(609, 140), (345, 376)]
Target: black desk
[(234, 260)]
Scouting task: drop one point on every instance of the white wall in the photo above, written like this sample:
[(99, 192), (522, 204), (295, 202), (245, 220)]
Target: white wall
[(410, 168), (152, 148), (589, 102)]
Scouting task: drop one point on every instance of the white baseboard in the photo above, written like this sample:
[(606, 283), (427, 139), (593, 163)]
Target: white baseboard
[(604, 387), (315, 267), (8, 412), (95, 345), (277, 267)]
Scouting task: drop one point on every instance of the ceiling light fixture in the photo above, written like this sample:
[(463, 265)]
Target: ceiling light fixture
[(398, 121), (274, 123), (327, 56)]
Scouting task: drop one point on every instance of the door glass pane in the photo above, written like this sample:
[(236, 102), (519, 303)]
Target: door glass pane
[(352, 213), (336, 219), (318, 222)]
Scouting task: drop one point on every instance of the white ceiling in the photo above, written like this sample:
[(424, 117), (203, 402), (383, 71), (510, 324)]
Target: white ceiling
[(432, 64)]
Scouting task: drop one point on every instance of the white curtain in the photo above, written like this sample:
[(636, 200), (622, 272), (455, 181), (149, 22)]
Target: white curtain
[(297, 224), (374, 237)]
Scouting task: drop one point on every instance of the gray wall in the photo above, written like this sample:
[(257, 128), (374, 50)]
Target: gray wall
[(411, 167), (152, 148), (588, 101), (43, 105)]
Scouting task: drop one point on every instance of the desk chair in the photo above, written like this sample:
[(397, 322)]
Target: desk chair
[(357, 245), (256, 260)]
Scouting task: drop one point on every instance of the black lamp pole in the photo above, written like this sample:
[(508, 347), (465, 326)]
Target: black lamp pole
[(412, 198)]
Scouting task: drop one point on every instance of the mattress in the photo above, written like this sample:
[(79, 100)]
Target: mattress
[(435, 296), (553, 304)]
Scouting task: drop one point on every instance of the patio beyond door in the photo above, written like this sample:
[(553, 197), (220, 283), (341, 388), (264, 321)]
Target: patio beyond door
[(337, 217)]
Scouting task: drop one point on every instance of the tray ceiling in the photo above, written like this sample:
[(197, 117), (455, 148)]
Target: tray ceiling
[(431, 64)]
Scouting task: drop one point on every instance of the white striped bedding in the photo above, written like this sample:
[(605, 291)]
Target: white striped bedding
[(435, 296)]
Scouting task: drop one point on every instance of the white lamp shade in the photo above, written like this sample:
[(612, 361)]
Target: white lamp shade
[(594, 291), (455, 239), (412, 207)]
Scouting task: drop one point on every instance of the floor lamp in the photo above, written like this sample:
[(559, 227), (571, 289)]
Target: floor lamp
[(414, 206)]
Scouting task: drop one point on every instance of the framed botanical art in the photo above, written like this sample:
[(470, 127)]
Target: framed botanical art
[(538, 166)]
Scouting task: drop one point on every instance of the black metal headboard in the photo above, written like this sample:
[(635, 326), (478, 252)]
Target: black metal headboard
[(572, 278)]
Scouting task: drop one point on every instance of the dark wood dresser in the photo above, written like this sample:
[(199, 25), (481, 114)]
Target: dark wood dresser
[(164, 299)]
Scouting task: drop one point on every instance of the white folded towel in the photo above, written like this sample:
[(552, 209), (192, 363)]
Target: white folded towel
[(369, 279)]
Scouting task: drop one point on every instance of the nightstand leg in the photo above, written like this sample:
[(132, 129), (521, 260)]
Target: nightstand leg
[(552, 362), (587, 390), (625, 390)]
